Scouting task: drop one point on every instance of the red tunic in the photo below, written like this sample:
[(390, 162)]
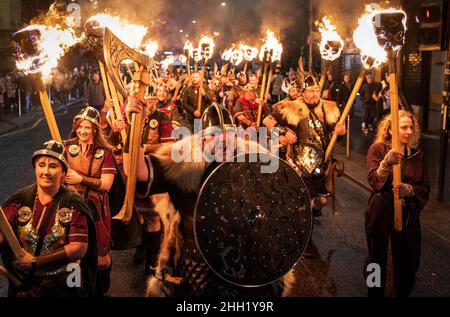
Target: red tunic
[(101, 162)]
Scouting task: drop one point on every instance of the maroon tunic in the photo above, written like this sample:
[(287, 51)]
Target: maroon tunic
[(95, 163), (379, 219), (51, 280)]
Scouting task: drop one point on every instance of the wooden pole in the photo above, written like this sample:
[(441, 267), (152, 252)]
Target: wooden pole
[(48, 111), (202, 77), (345, 112), (245, 67), (347, 144), (326, 65), (262, 95), (10, 237), (188, 65), (393, 88), (269, 81)]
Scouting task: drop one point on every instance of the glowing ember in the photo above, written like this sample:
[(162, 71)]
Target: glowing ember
[(206, 47), (250, 53), (331, 44), (130, 34), (373, 46), (272, 49)]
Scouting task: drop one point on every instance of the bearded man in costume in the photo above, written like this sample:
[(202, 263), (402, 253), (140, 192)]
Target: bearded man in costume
[(246, 205), (304, 127)]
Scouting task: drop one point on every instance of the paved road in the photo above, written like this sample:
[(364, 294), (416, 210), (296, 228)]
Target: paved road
[(339, 239)]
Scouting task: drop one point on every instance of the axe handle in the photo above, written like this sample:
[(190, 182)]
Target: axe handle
[(9, 235), (104, 79), (135, 144), (116, 103)]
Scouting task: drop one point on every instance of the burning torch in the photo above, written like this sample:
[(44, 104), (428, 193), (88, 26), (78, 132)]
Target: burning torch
[(234, 56), (250, 53), (331, 45), (37, 50), (380, 35), (206, 49), (269, 53)]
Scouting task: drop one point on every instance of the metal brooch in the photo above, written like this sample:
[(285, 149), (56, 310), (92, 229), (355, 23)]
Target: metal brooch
[(25, 215), (64, 216), (154, 123), (74, 150), (99, 153)]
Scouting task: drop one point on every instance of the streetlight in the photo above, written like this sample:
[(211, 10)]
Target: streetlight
[(223, 4)]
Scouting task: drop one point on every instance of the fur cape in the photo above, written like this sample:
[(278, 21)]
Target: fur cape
[(292, 112), (187, 176)]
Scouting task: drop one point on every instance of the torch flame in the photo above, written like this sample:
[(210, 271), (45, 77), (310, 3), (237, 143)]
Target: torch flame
[(188, 49), (50, 44), (331, 44), (131, 34), (150, 48), (167, 62), (272, 49), (226, 55), (234, 55), (206, 47), (250, 53), (365, 38)]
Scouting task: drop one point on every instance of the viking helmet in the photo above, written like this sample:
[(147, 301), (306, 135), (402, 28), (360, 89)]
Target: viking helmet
[(90, 114), (54, 149), (216, 116), (310, 81)]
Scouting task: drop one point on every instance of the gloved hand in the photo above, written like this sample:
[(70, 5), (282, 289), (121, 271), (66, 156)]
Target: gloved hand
[(391, 158), (404, 190)]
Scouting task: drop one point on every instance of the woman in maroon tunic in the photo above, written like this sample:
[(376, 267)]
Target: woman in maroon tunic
[(91, 173), (55, 229), (413, 191)]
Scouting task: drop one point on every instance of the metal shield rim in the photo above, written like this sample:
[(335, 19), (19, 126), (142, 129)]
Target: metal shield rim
[(205, 182)]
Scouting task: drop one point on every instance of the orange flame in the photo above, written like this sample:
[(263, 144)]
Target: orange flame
[(331, 44), (234, 55), (188, 48), (272, 49), (131, 34), (150, 48), (206, 47), (167, 62), (250, 53), (50, 45), (365, 38)]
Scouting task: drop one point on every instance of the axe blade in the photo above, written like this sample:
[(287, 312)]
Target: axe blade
[(115, 52)]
